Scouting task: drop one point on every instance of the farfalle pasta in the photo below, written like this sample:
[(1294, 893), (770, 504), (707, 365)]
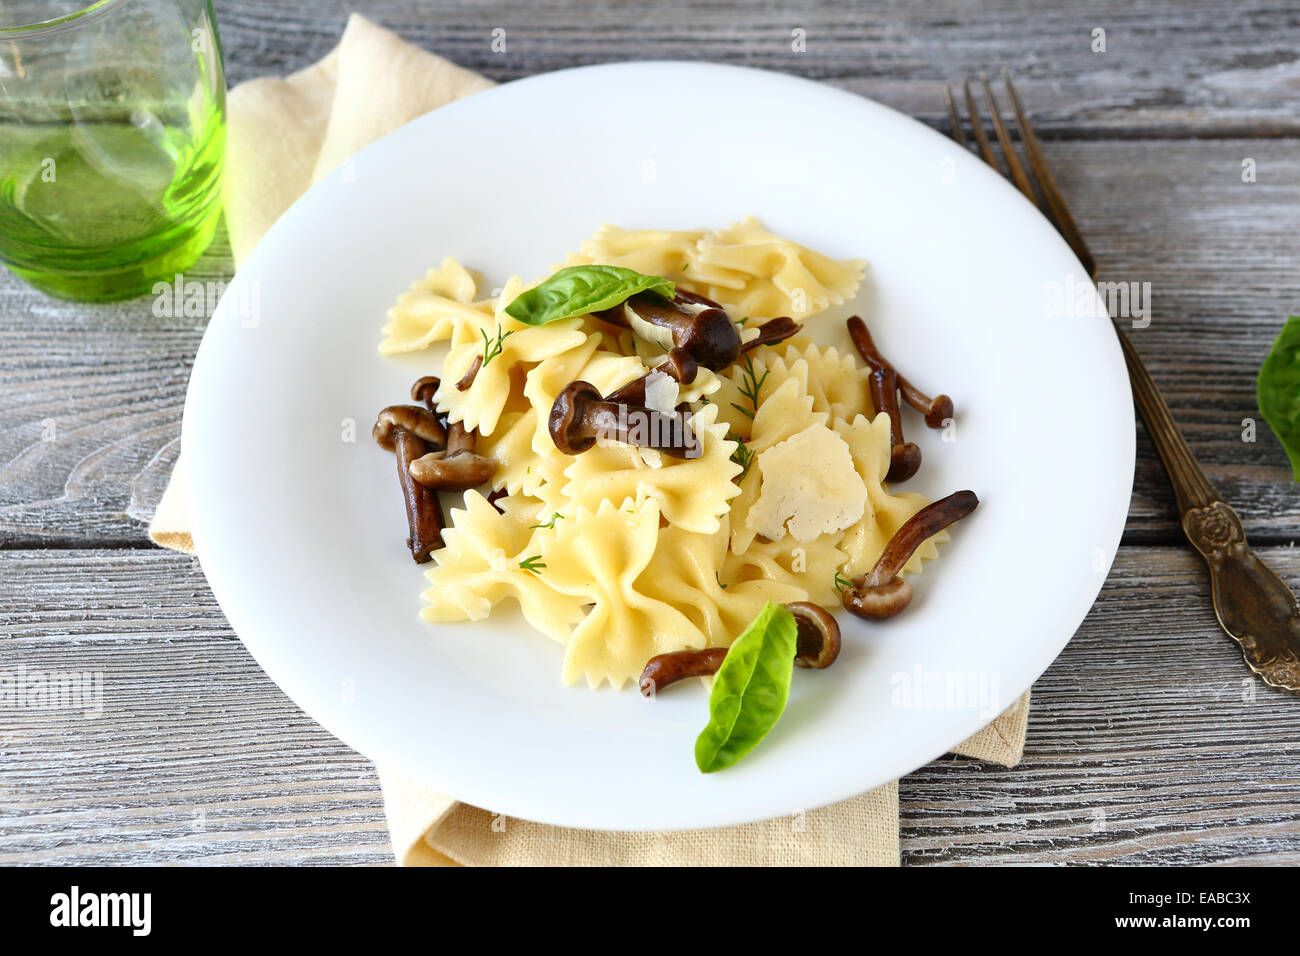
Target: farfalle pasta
[(667, 457)]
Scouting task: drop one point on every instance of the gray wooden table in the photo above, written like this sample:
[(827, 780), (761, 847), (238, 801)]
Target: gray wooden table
[(1147, 743)]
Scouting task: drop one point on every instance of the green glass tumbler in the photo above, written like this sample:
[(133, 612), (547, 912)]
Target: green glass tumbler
[(112, 138)]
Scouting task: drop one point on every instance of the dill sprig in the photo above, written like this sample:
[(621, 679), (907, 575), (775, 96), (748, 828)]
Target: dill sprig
[(742, 456), (491, 349), (534, 564), (750, 386), (841, 582), (550, 524)]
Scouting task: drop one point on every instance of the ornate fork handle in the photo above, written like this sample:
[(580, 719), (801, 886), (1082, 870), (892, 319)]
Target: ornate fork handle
[(1253, 605)]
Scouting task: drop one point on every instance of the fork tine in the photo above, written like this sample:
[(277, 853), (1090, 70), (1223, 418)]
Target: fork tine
[(977, 127), (1059, 211), (954, 122), (1018, 175)]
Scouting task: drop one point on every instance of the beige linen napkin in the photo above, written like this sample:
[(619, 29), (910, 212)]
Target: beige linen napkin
[(284, 136)]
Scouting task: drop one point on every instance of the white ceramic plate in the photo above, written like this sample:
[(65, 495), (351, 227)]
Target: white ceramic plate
[(301, 531)]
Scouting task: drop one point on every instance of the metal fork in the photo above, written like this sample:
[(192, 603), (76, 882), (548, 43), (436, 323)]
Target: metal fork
[(1253, 606)]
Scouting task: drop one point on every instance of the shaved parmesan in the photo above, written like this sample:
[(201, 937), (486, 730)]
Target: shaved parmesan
[(809, 485), (661, 393)]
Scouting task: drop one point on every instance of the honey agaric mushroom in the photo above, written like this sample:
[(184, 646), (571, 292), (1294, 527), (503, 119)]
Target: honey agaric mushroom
[(580, 416), (883, 592), (690, 322), (678, 365), (771, 332), (423, 390), (467, 379), (904, 456), (818, 636), (817, 646), (665, 669), (937, 411), (457, 467), (408, 431)]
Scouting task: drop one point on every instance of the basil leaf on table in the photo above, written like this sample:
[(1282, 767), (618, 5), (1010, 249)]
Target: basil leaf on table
[(577, 290), (1278, 391), (750, 689)]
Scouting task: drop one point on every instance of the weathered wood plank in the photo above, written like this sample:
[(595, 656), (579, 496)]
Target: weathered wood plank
[(1220, 255), (1147, 743), (1187, 68)]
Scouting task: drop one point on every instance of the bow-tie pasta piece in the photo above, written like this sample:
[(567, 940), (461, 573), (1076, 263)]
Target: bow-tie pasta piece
[(691, 492), (687, 571), (482, 563), (500, 349), (596, 558), (653, 252), (433, 308), (810, 567), (837, 382), (756, 274)]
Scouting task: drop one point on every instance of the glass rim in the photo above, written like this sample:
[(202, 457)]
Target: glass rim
[(36, 28)]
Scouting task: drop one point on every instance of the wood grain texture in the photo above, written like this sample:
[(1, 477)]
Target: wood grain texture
[(1187, 68), (1147, 742)]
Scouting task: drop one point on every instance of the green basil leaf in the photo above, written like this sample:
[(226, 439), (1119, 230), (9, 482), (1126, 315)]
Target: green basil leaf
[(1278, 391), (750, 689), (578, 290)]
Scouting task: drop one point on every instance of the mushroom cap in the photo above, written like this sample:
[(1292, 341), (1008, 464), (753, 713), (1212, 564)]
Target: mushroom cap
[(904, 462), (940, 411), (712, 339), (423, 389), (453, 471), (879, 601), (568, 422), (819, 635), (412, 418)]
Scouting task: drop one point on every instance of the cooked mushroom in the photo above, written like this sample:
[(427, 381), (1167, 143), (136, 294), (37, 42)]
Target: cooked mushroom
[(467, 379), (771, 332), (408, 431), (690, 322), (678, 365), (668, 669), (883, 592), (819, 635), (904, 456), (937, 410), (457, 467), (423, 390), (580, 416)]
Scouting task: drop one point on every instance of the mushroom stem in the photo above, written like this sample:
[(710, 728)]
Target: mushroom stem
[(690, 322), (580, 416), (423, 509), (882, 592), (904, 456), (668, 669), (772, 332), (937, 410), (678, 365), (457, 467), (467, 379)]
